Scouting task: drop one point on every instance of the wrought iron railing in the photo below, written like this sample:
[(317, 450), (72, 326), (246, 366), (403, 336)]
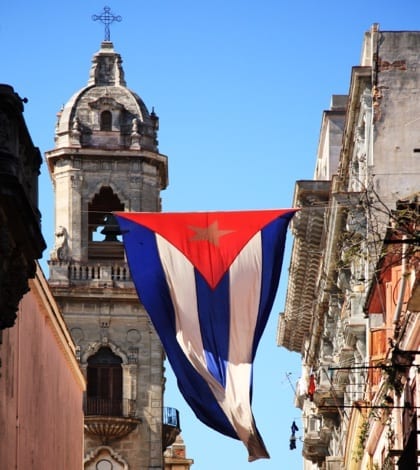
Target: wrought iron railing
[(171, 427), (171, 417), (95, 406)]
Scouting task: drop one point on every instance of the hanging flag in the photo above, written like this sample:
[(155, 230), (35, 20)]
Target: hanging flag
[(208, 281)]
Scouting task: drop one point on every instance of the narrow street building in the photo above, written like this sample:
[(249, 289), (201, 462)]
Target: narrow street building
[(352, 308), (41, 386)]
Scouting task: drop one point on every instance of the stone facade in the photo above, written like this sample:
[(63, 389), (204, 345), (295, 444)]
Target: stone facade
[(340, 252), (176, 458), (106, 159)]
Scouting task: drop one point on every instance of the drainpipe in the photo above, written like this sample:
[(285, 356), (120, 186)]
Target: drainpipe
[(404, 274)]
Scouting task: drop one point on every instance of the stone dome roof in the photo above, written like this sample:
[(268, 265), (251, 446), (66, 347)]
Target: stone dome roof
[(106, 113)]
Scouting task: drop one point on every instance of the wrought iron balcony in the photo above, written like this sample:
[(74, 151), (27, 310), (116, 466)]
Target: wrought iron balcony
[(104, 407), (170, 426), (108, 419)]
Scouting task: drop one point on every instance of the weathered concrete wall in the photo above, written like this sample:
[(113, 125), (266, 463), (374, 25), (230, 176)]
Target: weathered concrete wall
[(121, 323), (396, 113)]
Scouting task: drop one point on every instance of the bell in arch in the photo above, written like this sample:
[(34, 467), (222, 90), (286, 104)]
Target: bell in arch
[(111, 229)]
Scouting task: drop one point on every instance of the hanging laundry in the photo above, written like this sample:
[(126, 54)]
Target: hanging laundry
[(311, 387), (292, 444)]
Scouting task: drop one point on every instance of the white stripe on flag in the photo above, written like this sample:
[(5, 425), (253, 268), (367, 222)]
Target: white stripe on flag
[(245, 290), (181, 282)]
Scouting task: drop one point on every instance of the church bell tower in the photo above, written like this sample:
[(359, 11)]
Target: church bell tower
[(106, 159)]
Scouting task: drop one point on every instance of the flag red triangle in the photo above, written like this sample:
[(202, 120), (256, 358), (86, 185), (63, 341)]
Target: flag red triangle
[(210, 240)]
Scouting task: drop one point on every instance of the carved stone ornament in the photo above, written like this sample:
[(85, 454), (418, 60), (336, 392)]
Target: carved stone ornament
[(106, 103), (14, 274), (104, 453), (61, 251)]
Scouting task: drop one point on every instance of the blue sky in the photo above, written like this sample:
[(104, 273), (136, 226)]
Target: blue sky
[(239, 87)]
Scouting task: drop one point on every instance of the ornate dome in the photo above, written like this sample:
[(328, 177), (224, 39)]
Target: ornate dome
[(106, 113)]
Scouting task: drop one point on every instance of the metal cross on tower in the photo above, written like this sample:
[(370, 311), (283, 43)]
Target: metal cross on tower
[(107, 18)]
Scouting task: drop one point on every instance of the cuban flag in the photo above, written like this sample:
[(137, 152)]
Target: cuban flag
[(208, 282)]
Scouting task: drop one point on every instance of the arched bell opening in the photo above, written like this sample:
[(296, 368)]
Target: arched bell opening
[(104, 235)]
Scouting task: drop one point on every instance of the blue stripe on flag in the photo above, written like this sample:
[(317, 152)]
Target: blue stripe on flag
[(146, 271), (213, 311), (273, 238)]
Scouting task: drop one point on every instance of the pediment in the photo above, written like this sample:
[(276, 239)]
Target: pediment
[(106, 103)]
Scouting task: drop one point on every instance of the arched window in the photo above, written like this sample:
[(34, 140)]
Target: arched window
[(106, 121), (104, 384)]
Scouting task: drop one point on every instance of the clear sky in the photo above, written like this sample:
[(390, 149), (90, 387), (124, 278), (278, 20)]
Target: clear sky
[(239, 87)]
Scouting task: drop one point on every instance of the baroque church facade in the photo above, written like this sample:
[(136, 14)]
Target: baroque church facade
[(106, 159)]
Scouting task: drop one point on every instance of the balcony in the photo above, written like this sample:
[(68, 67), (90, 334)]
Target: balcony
[(93, 274), (316, 440), (109, 420), (329, 400), (170, 426), (329, 394)]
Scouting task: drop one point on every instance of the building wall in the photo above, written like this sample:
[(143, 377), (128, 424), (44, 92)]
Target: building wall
[(175, 456), (396, 161), (331, 135), (130, 335), (333, 270), (41, 388), (394, 429)]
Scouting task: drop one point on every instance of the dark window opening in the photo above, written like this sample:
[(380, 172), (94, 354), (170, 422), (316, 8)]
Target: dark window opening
[(104, 384), (106, 121)]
